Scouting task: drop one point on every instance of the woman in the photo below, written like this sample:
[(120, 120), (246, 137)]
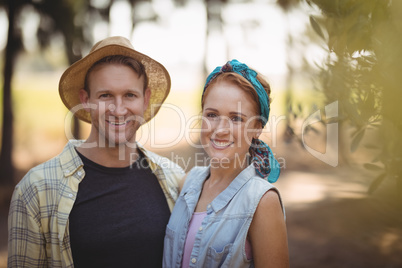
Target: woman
[(228, 214)]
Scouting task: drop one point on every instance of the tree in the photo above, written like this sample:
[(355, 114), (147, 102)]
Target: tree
[(214, 22), (12, 47), (362, 71), (62, 14)]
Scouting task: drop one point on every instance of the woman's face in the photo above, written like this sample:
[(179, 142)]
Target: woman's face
[(229, 123)]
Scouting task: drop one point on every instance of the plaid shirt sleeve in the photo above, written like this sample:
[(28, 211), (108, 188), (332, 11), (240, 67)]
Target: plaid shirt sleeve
[(37, 222), (26, 243)]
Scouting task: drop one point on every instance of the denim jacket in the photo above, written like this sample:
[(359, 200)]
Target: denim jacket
[(221, 239)]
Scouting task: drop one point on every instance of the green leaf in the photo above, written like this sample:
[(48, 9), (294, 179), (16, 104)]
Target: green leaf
[(372, 167), (332, 120), (310, 128), (372, 146), (376, 182), (316, 27), (351, 113), (357, 139), (375, 160), (374, 125)]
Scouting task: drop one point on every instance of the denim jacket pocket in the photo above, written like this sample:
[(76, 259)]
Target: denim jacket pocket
[(169, 238), (217, 258)]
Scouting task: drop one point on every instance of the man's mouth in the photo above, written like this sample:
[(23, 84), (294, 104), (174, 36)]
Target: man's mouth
[(118, 123)]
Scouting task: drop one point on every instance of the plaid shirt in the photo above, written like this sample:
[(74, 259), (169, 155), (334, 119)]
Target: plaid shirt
[(42, 201)]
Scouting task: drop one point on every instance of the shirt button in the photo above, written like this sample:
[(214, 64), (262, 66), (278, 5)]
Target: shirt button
[(70, 195), (79, 173), (209, 206), (193, 260), (200, 228)]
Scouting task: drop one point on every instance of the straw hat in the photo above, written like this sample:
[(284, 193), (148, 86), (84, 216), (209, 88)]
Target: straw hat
[(73, 78)]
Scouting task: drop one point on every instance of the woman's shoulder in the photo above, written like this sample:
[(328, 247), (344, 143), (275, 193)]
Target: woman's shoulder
[(196, 174), (197, 171), (266, 192), (258, 182), (257, 186)]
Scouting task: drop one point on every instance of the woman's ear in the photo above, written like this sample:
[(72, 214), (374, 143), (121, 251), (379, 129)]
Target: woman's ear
[(84, 98), (258, 129), (257, 133)]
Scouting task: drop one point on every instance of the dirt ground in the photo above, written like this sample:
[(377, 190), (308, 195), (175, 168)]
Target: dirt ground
[(359, 231), (331, 220)]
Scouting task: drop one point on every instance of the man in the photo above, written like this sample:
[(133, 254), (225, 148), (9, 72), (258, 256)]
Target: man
[(105, 201)]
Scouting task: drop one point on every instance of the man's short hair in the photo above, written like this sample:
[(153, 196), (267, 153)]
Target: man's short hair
[(135, 65)]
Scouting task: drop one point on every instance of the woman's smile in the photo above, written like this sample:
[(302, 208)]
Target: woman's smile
[(221, 144)]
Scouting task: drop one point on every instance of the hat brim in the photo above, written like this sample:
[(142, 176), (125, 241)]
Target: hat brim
[(73, 80)]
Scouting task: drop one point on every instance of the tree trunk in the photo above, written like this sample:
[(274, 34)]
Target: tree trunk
[(76, 130), (6, 163)]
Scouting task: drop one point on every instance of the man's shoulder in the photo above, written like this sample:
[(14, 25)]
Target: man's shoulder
[(48, 171), (38, 179), (41, 172), (162, 161)]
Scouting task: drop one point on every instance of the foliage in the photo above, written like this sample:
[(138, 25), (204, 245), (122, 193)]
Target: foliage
[(362, 72)]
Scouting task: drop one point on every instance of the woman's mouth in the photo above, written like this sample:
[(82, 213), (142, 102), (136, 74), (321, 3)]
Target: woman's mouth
[(221, 144)]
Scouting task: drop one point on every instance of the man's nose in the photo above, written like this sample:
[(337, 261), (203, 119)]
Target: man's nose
[(118, 107)]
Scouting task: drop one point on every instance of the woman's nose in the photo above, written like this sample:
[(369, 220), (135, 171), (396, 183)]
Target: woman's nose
[(224, 125)]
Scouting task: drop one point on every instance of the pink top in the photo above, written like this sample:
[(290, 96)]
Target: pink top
[(193, 228)]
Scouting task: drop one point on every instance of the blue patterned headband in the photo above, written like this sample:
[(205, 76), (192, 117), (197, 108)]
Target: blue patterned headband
[(251, 76), (263, 159)]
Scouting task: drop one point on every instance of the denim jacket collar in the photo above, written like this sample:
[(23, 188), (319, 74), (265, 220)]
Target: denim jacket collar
[(224, 197)]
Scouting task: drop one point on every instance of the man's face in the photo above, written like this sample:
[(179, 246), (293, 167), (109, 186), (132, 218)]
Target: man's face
[(118, 102)]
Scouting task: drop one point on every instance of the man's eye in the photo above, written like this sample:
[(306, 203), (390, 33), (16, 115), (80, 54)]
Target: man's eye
[(105, 95), (131, 95)]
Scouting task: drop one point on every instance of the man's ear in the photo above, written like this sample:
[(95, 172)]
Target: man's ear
[(84, 98), (147, 97)]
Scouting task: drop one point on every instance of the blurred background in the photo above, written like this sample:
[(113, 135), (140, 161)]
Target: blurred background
[(336, 121)]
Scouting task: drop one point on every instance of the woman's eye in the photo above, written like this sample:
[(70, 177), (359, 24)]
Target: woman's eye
[(237, 119), (212, 115)]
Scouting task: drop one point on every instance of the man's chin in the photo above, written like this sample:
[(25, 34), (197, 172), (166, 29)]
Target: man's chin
[(119, 142)]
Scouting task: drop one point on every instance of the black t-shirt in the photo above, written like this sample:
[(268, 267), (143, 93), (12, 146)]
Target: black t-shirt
[(119, 217)]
